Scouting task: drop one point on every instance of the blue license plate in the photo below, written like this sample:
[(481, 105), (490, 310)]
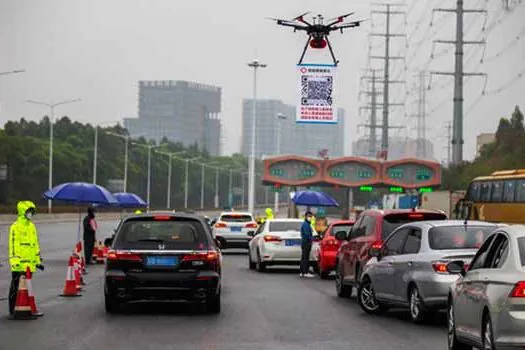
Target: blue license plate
[(167, 261), (292, 242), (236, 229)]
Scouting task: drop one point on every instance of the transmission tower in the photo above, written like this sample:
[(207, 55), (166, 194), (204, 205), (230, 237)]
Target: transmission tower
[(388, 10), (458, 74)]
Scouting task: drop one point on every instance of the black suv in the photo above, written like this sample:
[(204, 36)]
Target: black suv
[(163, 256)]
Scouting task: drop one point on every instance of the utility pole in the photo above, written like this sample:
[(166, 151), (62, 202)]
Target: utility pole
[(388, 12), (449, 142), (458, 74)]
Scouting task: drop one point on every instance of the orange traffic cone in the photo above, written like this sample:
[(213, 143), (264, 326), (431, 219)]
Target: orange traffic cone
[(81, 257), (70, 288), (78, 275), (22, 307), (32, 301), (94, 256), (100, 256), (105, 250)]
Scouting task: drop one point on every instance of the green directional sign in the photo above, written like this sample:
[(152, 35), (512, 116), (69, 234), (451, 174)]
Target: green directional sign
[(276, 171), (423, 175), (366, 188), (306, 173), (396, 189), (395, 173), (337, 174), (425, 189), (364, 174)]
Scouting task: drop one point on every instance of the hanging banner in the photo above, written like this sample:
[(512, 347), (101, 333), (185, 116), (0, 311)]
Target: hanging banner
[(316, 83)]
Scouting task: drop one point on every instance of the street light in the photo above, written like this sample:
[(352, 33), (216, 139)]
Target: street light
[(51, 116), (280, 118), (170, 155), (255, 64), (95, 149), (186, 175), (148, 185)]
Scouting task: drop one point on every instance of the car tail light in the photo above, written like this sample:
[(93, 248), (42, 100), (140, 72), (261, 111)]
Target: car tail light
[(415, 216), (519, 290), (330, 243), (272, 238), (440, 267), (116, 255), (162, 218), (377, 244), (251, 225), (220, 225), (211, 257)]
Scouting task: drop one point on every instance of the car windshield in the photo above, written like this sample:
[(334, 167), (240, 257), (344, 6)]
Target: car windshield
[(173, 233), (337, 228), (393, 221), (458, 237), (521, 245), (282, 226), (236, 218)]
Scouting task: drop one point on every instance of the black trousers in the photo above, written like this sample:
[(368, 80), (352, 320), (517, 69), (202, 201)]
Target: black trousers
[(89, 244), (306, 248), (13, 290)]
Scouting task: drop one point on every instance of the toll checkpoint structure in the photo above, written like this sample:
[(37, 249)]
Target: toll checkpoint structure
[(409, 175)]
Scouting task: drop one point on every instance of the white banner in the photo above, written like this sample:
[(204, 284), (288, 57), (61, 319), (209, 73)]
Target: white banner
[(316, 82)]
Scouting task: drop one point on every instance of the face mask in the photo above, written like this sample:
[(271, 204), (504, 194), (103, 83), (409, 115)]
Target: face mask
[(29, 215), (308, 219)]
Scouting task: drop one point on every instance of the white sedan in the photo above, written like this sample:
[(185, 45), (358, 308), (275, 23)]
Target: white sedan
[(278, 242)]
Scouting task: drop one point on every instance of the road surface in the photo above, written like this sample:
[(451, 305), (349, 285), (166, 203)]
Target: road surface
[(273, 310)]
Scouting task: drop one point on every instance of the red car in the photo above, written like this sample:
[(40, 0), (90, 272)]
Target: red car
[(329, 246), (369, 231)]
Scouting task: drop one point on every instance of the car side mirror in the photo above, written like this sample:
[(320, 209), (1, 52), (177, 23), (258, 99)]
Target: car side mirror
[(251, 233), (375, 252), (108, 241), (218, 243), (341, 235), (456, 268)]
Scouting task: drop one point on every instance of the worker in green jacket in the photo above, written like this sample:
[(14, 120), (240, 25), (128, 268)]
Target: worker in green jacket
[(24, 249)]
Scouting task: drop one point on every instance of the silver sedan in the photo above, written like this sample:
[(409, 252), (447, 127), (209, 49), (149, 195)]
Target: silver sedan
[(409, 270), (487, 302)]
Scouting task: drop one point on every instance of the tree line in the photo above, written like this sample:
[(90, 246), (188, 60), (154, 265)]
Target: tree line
[(24, 148)]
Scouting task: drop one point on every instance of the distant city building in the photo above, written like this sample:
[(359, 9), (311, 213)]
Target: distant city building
[(181, 111), (298, 139), (484, 139), (398, 148)]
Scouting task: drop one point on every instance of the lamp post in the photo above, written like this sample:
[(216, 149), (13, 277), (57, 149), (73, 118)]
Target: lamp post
[(95, 149), (186, 175), (51, 107), (280, 117), (202, 186), (170, 155), (255, 64), (217, 174)]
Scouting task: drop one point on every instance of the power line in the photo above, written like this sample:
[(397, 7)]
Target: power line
[(506, 48)]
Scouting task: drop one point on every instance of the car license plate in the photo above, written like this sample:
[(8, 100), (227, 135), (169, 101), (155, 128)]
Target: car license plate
[(236, 229), (167, 261), (292, 242)]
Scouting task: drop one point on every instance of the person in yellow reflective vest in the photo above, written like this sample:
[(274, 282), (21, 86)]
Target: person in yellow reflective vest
[(24, 249), (269, 214), (138, 212)]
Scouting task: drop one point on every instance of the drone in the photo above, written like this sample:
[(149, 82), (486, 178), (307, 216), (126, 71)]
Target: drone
[(318, 31)]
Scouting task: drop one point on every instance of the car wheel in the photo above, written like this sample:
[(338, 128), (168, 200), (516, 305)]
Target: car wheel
[(213, 304), (488, 335), (112, 304), (251, 264), (453, 342), (343, 291), (260, 265), (367, 299), (418, 312), (324, 274)]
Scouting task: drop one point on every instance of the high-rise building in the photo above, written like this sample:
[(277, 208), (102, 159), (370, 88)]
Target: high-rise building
[(181, 111), (484, 139), (398, 148), (297, 139)]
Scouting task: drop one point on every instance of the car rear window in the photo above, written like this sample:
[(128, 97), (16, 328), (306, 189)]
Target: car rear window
[(236, 218), (283, 226), (521, 245), (458, 237), (173, 233), (337, 228), (393, 221)]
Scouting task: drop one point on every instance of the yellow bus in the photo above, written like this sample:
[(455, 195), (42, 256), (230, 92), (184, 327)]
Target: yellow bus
[(499, 197)]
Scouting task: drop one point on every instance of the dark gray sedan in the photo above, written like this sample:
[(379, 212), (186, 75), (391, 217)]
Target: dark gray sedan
[(410, 269)]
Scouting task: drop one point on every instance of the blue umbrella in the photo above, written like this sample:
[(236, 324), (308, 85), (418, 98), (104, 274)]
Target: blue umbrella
[(129, 200), (81, 192), (314, 199)]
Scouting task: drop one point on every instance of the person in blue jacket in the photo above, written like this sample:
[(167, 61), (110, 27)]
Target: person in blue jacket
[(307, 237)]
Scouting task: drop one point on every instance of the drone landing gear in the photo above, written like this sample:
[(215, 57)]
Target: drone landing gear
[(329, 47)]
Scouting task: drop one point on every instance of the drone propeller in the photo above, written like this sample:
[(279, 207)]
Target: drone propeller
[(349, 25), (339, 19), (300, 17)]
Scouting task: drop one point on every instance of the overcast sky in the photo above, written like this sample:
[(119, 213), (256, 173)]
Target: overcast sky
[(97, 50)]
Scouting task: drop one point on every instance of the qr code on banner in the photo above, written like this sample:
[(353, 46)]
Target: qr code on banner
[(316, 91)]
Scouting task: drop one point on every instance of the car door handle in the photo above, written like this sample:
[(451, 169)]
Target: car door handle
[(409, 263)]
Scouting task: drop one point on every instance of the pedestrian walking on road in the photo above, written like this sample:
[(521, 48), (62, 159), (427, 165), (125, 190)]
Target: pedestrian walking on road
[(24, 249), (307, 237), (90, 230)]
